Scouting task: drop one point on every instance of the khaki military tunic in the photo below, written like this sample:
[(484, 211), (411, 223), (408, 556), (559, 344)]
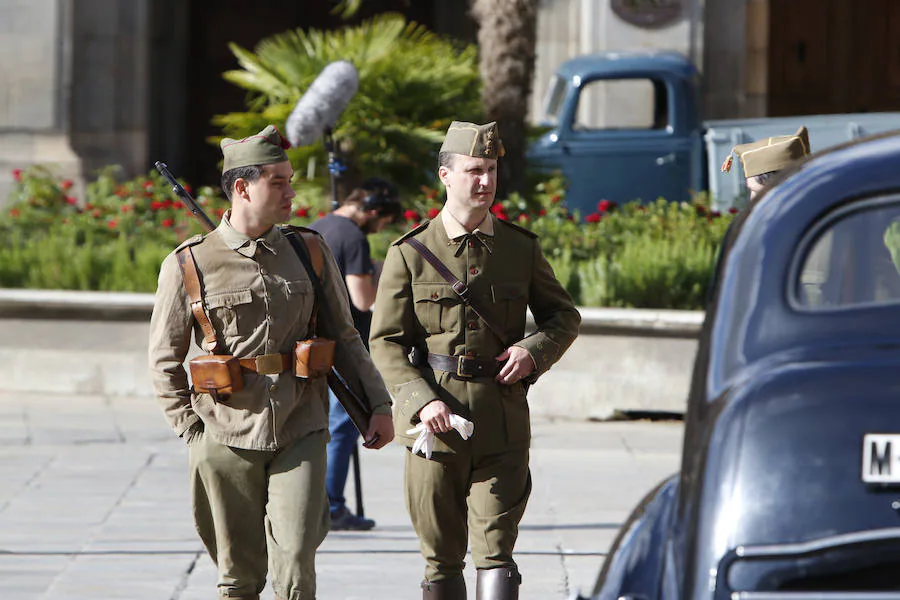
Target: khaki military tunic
[(506, 273), (259, 299)]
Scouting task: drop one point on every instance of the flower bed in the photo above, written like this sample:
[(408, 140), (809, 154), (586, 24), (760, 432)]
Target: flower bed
[(658, 255)]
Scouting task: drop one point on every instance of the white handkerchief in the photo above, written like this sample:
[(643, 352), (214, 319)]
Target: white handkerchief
[(425, 441)]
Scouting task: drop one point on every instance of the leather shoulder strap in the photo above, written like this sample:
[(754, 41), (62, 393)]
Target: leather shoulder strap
[(314, 247), (461, 289), (194, 291)]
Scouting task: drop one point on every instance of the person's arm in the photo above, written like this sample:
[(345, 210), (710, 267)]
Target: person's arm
[(362, 291), (170, 335), (395, 329), (369, 377), (555, 315)]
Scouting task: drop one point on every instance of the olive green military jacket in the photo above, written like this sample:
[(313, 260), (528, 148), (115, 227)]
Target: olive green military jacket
[(506, 273), (259, 299)]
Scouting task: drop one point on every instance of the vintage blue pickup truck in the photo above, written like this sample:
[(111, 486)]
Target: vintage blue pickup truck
[(659, 147)]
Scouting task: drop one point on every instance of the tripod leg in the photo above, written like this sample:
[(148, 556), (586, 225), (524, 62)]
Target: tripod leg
[(357, 483)]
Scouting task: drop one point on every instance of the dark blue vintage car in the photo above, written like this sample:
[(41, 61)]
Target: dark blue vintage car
[(790, 480)]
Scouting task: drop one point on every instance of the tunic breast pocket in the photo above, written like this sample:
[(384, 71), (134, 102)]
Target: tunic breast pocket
[(511, 300), (231, 312), (437, 307)]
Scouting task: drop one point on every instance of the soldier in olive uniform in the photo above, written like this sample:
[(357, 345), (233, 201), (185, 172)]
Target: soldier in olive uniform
[(257, 457), (480, 486), (763, 159)]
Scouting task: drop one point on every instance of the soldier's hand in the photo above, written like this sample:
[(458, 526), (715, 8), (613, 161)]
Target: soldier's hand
[(436, 417), (519, 364), (380, 433)]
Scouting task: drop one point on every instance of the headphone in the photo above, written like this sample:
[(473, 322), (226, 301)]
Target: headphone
[(381, 196)]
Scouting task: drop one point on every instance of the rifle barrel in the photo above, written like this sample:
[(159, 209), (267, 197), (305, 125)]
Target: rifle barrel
[(185, 197)]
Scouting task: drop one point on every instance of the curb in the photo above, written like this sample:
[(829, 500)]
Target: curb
[(58, 304)]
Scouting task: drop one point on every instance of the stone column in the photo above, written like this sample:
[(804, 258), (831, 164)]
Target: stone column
[(35, 53)]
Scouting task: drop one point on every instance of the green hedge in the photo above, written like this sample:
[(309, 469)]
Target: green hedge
[(658, 255)]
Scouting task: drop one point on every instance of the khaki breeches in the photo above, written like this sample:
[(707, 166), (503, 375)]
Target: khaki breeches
[(453, 499), (254, 504)]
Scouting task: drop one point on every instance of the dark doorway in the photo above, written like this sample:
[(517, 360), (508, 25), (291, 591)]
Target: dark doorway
[(833, 56), (191, 40)]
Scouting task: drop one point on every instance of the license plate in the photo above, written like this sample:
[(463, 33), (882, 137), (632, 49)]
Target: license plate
[(881, 458)]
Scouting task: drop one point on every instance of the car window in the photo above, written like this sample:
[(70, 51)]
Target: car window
[(622, 104), (853, 260)]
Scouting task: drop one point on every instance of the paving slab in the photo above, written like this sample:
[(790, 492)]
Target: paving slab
[(95, 505)]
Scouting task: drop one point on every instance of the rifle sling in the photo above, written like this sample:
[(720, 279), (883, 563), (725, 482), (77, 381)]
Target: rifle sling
[(188, 267), (460, 288)]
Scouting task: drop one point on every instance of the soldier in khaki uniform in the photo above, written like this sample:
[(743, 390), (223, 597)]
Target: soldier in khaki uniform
[(257, 457), (763, 159), (480, 486)]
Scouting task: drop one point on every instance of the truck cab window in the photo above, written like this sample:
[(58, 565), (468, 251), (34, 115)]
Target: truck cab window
[(556, 94), (622, 104)]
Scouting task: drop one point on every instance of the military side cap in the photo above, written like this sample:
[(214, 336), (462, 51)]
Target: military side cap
[(480, 141), (770, 154), (265, 148)]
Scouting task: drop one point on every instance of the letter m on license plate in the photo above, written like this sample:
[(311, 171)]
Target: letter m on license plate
[(881, 458)]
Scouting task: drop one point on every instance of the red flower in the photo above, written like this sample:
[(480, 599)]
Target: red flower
[(733, 210), (156, 205), (220, 212), (96, 213), (65, 185), (542, 212), (433, 212), (497, 208), (716, 213), (321, 214), (593, 218), (523, 218), (431, 195), (302, 212), (411, 215), (178, 205), (168, 203), (188, 188), (125, 208), (502, 216), (605, 205), (167, 222), (121, 192), (88, 206), (112, 224), (555, 198), (701, 210), (14, 212), (148, 185), (17, 175), (71, 200)]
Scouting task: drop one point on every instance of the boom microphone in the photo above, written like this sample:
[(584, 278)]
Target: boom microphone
[(324, 101)]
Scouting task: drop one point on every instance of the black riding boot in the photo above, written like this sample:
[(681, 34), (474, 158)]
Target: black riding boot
[(453, 588), (498, 584)]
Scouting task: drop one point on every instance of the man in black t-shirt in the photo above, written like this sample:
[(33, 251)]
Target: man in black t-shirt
[(367, 209)]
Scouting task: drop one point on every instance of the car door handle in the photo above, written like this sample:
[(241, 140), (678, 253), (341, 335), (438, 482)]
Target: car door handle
[(664, 160)]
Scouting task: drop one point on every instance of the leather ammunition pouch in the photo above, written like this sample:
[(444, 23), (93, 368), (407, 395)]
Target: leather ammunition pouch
[(216, 374), (313, 357)]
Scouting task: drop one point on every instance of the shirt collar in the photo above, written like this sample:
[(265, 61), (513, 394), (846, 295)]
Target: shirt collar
[(455, 229), (242, 243)]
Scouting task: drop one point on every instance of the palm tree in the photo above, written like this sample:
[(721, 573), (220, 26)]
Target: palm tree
[(507, 36)]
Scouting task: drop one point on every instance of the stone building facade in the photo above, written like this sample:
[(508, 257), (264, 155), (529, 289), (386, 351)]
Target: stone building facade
[(88, 83)]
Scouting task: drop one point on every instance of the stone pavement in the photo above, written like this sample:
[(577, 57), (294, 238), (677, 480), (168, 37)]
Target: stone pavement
[(94, 505)]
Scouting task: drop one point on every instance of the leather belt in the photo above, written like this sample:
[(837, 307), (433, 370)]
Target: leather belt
[(268, 364), (464, 367)]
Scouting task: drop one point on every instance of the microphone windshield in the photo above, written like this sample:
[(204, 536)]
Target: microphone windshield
[(322, 104)]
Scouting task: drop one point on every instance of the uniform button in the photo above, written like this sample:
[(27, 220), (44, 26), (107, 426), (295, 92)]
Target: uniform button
[(434, 296), (470, 244), (473, 271), (273, 387)]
